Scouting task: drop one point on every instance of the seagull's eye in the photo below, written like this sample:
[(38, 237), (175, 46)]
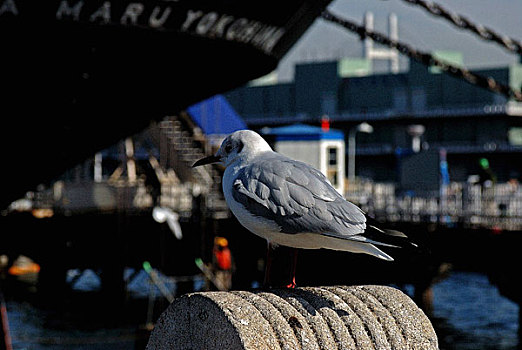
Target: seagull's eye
[(228, 148)]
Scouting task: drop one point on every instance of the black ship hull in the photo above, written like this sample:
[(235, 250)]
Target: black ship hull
[(80, 75)]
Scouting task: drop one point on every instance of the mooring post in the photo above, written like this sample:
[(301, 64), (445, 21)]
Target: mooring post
[(5, 336), (348, 317)]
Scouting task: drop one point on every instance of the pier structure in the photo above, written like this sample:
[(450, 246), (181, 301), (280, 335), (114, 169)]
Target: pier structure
[(139, 200), (152, 168)]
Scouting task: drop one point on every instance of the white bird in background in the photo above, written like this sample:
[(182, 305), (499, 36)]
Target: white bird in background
[(162, 214), (290, 203)]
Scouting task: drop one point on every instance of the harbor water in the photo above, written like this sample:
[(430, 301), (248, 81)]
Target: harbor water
[(468, 313)]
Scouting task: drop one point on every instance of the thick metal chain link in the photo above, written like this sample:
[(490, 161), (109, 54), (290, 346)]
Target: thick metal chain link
[(464, 23), (425, 58)]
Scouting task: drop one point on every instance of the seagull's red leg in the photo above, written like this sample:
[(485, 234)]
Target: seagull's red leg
[(293, 268), (282, 260)]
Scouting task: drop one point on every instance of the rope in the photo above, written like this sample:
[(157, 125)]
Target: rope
[(425, 58), (462, 22)]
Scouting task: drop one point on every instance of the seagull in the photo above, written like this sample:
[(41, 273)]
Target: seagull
[(290, 203)]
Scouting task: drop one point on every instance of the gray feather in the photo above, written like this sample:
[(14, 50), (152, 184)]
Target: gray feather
[(297, 197)]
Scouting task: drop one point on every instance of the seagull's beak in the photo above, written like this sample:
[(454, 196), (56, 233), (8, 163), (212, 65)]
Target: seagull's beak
[(207, 160)]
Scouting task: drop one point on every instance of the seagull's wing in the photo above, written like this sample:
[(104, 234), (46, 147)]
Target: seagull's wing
[(298, 198)]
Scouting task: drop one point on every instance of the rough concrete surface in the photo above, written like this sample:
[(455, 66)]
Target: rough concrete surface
[(339, 317)]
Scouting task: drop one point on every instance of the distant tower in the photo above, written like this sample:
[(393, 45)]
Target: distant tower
[(392, 55)]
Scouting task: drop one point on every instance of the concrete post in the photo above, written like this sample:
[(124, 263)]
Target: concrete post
[(339, 317)]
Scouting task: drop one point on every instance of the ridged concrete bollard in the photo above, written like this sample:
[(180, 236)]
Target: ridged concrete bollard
[(340, 317)]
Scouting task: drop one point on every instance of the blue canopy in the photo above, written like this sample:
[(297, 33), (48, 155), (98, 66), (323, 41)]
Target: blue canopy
[(215, 116), (300, 132)]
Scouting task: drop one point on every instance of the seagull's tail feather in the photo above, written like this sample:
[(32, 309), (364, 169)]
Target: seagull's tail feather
[(355, 246), (386, 237)]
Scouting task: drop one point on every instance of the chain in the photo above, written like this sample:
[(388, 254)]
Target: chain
[(425, 58), (464, 23)]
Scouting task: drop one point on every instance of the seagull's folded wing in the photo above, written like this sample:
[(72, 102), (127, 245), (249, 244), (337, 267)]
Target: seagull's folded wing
[(298, 198)]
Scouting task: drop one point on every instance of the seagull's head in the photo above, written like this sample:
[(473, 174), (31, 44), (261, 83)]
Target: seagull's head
[(242, 144)]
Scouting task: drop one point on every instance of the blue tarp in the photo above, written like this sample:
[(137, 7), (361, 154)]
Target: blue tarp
[(300, 132), (215, 116)]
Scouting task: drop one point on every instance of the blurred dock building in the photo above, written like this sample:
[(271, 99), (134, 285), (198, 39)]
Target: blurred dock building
[(468, 122)]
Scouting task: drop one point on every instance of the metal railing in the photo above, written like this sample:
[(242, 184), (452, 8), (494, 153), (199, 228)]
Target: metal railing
[(496, 206)]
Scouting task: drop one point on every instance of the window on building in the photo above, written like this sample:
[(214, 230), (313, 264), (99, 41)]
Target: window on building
[(332, 156), (331, 168)]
